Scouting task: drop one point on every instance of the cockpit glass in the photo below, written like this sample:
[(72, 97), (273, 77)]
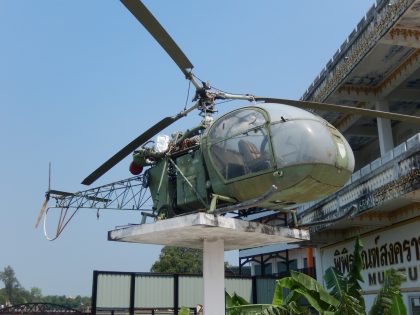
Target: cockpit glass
[(243, 154), (235, 123), (302, 142)]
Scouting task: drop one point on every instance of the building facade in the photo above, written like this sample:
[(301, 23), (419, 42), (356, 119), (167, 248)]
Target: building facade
[(377, 67)]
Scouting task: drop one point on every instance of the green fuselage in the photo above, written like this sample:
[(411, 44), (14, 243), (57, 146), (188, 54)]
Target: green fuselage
[(247, 151)]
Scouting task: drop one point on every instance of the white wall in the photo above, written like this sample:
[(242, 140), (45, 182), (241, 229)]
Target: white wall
[(395, 247)]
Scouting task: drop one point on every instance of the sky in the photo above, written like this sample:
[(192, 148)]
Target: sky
[(80, 79)]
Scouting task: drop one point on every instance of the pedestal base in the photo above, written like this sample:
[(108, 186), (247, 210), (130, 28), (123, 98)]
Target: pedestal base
[(214, 277), (214, 234), (191, 230)]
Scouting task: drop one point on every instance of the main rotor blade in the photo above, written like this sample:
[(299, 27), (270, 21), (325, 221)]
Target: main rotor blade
[(143, 15), (129, 148), (342, 109)]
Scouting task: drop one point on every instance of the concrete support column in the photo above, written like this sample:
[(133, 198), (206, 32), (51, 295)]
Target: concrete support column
[(318, 265), (214, 277), (386, 141)]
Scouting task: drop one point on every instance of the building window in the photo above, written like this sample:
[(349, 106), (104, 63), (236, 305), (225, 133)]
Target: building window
[(305, 262), (268, 270), (293, 265), (415, 305), (281, 267)]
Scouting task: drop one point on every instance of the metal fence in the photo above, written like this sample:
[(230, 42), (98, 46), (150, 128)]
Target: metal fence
[(132, 293)]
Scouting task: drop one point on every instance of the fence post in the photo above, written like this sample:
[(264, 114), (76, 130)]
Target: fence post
[(176, 294), (132, 292), (94, 291), (254, 290)]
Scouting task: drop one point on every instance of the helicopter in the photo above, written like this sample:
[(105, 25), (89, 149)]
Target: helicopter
[(269, 154)]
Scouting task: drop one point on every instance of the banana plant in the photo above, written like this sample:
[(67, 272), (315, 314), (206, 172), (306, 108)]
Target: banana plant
[(237, 305), (299, 286), (389, 300), (347, 289), (345, 296)]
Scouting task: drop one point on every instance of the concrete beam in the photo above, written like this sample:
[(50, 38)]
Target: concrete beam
[(386, 87), (399, 36)]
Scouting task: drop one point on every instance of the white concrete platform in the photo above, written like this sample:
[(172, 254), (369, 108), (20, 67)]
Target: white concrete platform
[(191, 230)]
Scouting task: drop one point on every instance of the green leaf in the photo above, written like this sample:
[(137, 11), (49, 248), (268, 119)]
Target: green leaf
[(238, 300), (294, 308), (312, 285), (313, 301), (355, 273), (389, 296), (335, 282), (228, 300), (278, 294), (184, 311), (398, 306), (350, 305), (250, 309), (275, 310), (293, 296)]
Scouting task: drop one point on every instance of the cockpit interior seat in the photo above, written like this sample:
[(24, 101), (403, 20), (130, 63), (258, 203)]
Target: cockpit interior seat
[(248, 150)]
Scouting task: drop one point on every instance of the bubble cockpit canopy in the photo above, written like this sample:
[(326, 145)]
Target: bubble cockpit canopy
[(253, 140)]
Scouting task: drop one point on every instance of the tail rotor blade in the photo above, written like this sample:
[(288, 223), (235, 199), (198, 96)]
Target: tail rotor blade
[(41, 213), (342, 109)]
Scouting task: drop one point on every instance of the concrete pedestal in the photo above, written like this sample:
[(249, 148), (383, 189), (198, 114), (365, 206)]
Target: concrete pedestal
[(214, 276), (214, 234)]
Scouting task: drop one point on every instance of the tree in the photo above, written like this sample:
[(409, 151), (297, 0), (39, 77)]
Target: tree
[(2, 297), (179, 260), (14, 293), (12, 286), (35, 294)]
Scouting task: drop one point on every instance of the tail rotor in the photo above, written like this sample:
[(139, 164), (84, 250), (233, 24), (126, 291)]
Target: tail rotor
[(47, 198)]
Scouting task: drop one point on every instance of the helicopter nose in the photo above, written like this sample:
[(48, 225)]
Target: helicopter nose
[(307, 142)]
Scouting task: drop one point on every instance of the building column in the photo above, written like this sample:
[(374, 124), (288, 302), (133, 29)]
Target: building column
[(214, 277), (310, 261), (386, 141), (319, 268)]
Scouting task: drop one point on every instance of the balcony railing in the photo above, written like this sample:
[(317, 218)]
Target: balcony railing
[(389, 177)]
